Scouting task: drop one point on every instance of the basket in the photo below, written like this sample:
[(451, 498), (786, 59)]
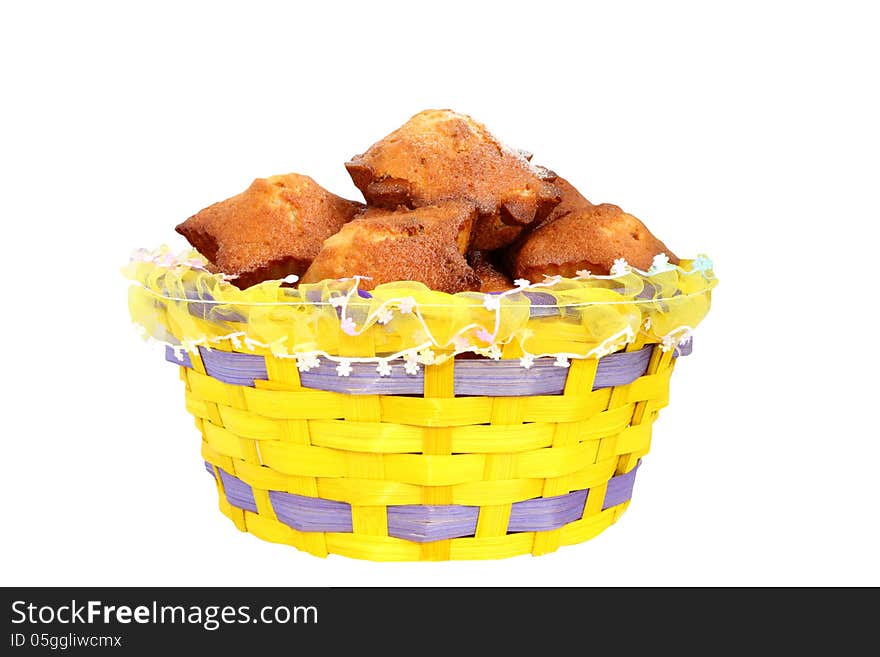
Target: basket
[(384, 449)]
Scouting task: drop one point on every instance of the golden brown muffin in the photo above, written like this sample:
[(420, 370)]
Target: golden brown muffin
[(491, 278), (426, 245), (272, 229), (439, 155), (592, 238), (570, 200)]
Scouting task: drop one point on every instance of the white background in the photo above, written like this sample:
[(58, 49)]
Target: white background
[(748, 133)]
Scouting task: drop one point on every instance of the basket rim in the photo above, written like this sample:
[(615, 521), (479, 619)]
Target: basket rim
[(144, 266), (478, 300), (182, 304)]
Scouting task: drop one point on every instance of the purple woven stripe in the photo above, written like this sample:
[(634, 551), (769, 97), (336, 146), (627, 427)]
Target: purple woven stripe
[(543, 304), (219, 313), (422, 523), (311, 514), (209, 468), (238, 493), (364, 380), (545, 513), (620, 488), (171, 358), (621, 368), (503, 378), (685, 348), (230, 367), (507, 378)]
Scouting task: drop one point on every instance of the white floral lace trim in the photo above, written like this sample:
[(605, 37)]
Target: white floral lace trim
[(413, 359), (422, 354)]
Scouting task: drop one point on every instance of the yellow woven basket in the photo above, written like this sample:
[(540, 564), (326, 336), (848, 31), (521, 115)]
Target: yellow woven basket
[(357, 437)]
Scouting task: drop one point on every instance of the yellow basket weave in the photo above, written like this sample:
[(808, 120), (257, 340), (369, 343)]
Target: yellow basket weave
[(433, 475)]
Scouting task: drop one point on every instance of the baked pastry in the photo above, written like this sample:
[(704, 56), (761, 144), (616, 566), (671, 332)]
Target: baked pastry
[(492, 279), (570, 200), (440, 155), (589, 237), (426, 244), (272, 229)]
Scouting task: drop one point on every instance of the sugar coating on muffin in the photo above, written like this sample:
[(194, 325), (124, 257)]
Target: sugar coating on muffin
[(447, 205), (570, 200), (272, 229), (441, 155), (425, 244), (588, 238)]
